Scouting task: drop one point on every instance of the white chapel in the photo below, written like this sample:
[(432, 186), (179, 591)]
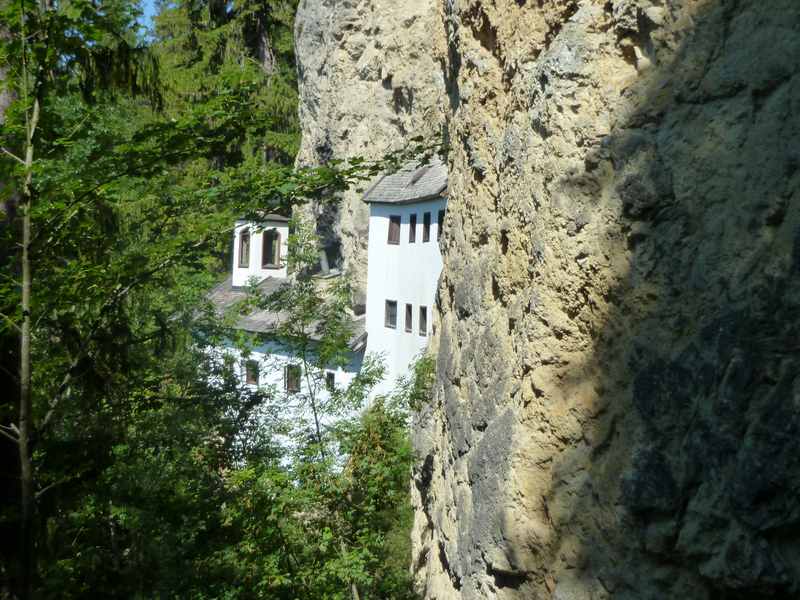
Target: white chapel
[(406, 219)]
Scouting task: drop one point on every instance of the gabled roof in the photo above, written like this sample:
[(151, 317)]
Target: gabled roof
[(414, 182), (224, 296), (268, 217)]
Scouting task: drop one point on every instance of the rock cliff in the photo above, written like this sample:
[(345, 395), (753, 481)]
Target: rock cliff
[(617, 406), (370, 79)]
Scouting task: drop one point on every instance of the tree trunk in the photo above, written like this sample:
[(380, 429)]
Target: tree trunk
[(354, 591), (354, 595), (27, 497)]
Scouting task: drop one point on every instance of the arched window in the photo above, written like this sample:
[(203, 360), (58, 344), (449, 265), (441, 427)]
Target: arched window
[(271, 250), (244, 249)]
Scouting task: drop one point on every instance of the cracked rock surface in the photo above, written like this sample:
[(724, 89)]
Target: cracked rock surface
[(617, 406)]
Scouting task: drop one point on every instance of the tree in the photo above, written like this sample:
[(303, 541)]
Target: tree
[(34, 30), (344, 495), (204, 46), (112, 210), (124, 212)]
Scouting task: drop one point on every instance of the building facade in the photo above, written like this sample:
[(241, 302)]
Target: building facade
[(259, 249), (259, 258), (407, 214)]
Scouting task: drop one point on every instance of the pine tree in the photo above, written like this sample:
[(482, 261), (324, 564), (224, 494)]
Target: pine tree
[(205, 48)]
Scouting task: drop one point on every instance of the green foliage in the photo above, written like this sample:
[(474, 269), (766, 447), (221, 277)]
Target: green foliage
[(327, 527), (157, 474), (204, 47), (80, 46), (344, 508), (417, 388)]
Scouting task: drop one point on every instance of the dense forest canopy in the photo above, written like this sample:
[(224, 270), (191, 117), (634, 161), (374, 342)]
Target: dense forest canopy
[(134, 464)]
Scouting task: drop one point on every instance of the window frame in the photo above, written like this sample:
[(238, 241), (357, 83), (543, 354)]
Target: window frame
[(244, 257), (286, 378), (252, 367), (426, 227), (398, 221), (423, 321), (409, 318), (439, 224), (265, 236), (390, 304), (412, 228)]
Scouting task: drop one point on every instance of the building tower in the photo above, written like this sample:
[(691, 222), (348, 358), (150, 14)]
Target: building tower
[(406, 215)]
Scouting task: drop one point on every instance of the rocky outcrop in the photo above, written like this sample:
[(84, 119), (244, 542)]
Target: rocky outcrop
[(617, 406), (370, 80)]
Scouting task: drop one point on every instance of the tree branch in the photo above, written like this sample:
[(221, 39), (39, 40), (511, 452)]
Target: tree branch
[(115, 298), (12, 155), (11, 322), (48, 487), (8, 435)]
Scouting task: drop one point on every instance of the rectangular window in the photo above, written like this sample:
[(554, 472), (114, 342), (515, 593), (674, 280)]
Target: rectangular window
[(291, 378), (251, 372), (391, 314), (423, 320), (409, 312), (412, 228), (244, 249), (271, 250), (440, 225), (394, 229), (426, 227), (330, 381)]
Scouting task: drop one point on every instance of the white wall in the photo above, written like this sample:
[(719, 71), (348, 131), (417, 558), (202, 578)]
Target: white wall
[(241, 275), (406, 273), (272, 357), (294, 408)]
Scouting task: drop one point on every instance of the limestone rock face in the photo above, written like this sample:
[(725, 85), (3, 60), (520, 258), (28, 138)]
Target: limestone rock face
[(370, 79), (617, 406)]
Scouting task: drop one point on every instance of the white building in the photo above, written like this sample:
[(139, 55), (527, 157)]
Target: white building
[(259, 250), (259, 257), (407, 211)]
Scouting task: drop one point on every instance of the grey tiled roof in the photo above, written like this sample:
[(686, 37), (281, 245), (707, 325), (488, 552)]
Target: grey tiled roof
[(412, 183), (264, 218), (275, 217), (224, 296)]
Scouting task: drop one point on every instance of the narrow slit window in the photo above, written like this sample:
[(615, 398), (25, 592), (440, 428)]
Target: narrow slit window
[(412, 228), (426, 227), (251, 372), (244, 249), (394, 229), (409, 317), (423, 320), (439, 225), (330, 381), (291, 378), (271, 250), (391, 314)]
